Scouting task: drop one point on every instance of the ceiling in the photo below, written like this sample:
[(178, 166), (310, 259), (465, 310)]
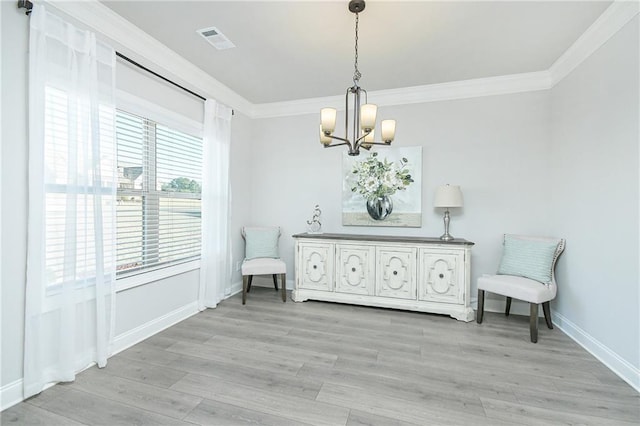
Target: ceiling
[(289, 50)]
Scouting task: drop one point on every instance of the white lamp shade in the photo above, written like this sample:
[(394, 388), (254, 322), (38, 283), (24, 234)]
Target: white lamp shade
[(328, 119), (324, 139), (368, 116), (388, 130), (448, 196)]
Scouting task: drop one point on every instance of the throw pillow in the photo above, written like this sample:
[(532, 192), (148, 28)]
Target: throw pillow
[(531, 259), (261, 242)]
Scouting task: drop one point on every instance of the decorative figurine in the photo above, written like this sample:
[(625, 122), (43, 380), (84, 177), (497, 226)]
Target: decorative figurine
[(314, 225)]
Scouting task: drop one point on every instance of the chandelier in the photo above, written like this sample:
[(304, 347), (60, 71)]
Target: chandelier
[(363, 121)]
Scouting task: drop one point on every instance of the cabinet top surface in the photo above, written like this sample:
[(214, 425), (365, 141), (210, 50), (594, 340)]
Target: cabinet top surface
[(383, 238)]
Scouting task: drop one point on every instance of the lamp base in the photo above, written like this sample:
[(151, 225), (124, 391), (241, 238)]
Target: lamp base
[(447, 237)]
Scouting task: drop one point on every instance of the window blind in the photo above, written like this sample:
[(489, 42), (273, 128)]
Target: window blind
[(159, 194)]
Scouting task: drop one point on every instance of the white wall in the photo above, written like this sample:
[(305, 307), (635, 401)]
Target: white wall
[(495, 147), (595, 197)]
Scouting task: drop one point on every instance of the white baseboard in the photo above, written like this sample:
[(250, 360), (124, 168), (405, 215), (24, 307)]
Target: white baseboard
[(146, 330), (10, 394), (613, 361)]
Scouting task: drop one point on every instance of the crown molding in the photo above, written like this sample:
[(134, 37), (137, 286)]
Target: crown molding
[(149, 51), (606, 26), (501, 85)]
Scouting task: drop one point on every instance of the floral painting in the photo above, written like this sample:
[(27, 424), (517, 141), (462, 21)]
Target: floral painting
[(383, 188)]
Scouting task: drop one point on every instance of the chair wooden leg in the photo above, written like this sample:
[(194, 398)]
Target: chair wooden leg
[(275, 281), (244, 289), (480, 313), (249, 285), (283, 277), (547, 314), (533, 322), (508, 308)]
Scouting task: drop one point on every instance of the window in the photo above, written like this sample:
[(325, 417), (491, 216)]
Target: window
[(159, 194), (74, 190)]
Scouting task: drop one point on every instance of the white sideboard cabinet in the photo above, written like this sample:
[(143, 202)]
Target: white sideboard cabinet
[(412, 273)]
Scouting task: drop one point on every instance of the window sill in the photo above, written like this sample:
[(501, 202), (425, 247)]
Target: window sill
[(146, 277)]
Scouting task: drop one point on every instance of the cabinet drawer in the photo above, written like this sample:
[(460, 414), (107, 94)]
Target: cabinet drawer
[(316, 266), (354, 269), (396, 272)]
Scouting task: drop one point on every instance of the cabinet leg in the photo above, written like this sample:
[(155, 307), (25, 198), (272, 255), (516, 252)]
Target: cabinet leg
[(508, 308)]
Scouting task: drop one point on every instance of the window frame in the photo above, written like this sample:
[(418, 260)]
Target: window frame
[(150, 111)]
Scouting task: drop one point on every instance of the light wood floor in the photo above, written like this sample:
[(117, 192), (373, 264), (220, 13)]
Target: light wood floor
[(271, 363)]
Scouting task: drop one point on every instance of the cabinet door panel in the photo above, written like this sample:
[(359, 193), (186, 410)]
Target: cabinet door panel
[(440, 276), (316, 261), (395, 272), (354, 273)]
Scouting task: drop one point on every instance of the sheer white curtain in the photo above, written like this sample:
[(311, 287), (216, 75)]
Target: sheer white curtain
[(72, 185), (215, 266)]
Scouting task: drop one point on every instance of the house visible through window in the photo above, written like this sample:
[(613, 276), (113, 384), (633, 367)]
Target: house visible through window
[(159, 194)]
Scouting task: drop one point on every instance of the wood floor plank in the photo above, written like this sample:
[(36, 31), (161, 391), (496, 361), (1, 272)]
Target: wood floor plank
[(151, 398), (233, 415), (143, 372), (96, 410), (290, 407), (145, 352), (570, 404), (240, 357), (524, 414), (253, 376), (269, 349), (422, 388), (362, 418), (427, 412), (33, 415)]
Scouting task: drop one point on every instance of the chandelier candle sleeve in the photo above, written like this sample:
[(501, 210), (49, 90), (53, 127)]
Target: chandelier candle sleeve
[(325, 140), (369, 137), (388, 130), (368, 116), (328, 120)]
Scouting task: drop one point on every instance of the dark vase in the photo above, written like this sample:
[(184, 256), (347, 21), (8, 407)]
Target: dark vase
[(379, 208)]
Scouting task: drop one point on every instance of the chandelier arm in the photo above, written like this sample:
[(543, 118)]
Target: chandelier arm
[(346, 141), (362, 145)]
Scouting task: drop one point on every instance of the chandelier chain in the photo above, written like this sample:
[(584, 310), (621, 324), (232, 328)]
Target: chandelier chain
[(356, 72)]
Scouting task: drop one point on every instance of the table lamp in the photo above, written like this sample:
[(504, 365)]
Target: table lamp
[(448, 196)]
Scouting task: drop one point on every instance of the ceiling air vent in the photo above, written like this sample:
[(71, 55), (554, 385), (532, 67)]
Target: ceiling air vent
[(216, 38)]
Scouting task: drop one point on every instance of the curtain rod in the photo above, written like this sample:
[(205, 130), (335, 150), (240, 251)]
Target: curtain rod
[(26, 4), (131, 61)]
